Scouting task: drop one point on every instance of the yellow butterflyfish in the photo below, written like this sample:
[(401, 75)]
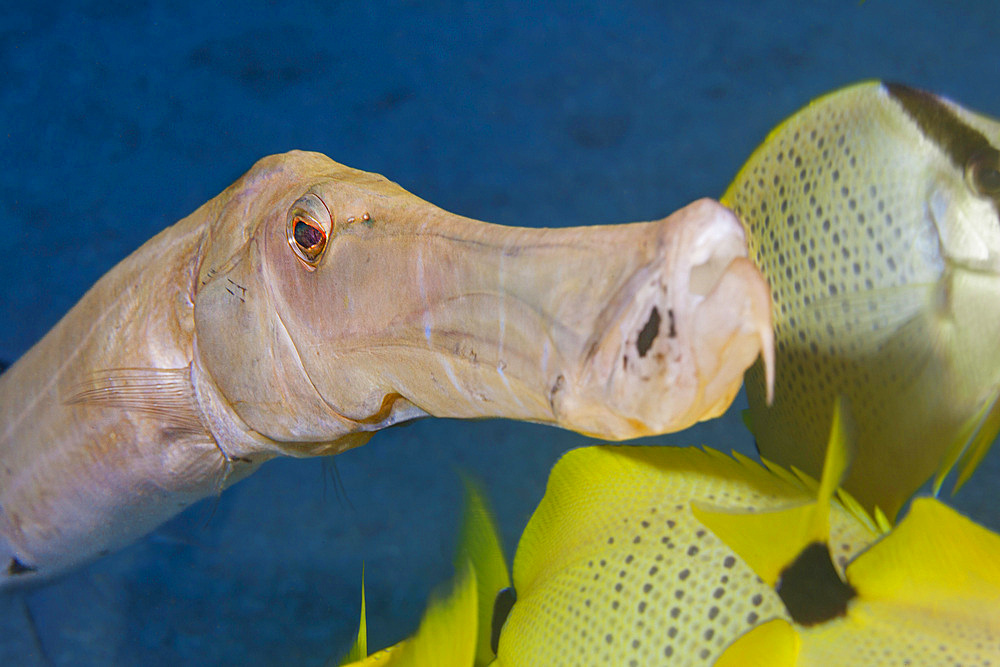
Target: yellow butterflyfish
[(873, 213), (653, 555)]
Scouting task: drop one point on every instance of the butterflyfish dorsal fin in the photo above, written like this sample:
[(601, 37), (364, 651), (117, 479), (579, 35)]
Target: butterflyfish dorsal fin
[(934, 559), (767, 541), (359, 649), (480, 544), (447, 633), (771, 541)]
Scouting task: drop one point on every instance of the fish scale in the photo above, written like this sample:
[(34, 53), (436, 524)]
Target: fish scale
[(882, 263)]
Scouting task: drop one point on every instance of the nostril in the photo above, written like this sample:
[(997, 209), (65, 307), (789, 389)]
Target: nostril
[(648, 333)]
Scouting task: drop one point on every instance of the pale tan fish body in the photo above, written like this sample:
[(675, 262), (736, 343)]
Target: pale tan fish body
[(311, 304)]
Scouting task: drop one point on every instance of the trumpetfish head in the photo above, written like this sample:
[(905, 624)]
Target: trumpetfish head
[(331, 303)]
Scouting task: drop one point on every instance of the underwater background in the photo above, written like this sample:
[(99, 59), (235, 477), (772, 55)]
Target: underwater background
[(120, 117)]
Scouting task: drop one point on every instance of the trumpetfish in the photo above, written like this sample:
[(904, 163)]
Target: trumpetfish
[(310, 304)]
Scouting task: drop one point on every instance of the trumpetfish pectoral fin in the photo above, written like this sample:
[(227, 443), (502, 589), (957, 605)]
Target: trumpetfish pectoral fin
[(167, 395), (164, 392)]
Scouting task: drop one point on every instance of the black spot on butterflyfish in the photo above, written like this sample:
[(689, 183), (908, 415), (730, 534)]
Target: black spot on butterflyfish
[(501, 609), (648, 333), (811, 589), (17, 567), (960, 142)]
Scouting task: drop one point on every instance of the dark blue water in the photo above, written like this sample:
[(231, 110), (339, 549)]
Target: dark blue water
[(120, 117)]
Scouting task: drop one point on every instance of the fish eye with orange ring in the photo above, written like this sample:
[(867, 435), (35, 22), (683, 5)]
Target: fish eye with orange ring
[(308, 229)]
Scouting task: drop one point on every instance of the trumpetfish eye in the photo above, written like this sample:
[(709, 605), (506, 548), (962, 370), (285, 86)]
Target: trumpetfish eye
[(308, 229)]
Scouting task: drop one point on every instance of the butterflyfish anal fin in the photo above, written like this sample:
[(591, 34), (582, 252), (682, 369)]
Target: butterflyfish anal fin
[(839, 454), (935, 559), (971, 444), (771, 644)]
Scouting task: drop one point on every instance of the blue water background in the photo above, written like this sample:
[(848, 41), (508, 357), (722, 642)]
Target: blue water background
[(120, 117)]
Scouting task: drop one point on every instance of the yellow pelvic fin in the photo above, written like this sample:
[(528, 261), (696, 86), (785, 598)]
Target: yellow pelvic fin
[(359, 649), (771, 644), (480, 544), (971, 444), (770, 541), (934, 559)]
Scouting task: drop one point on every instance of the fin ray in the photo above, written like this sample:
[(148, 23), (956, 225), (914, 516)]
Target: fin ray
[(164, 392), (971, 444)]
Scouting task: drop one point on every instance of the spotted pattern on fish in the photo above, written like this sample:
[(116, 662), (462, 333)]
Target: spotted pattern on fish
[(868, 212), (626, 572)]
